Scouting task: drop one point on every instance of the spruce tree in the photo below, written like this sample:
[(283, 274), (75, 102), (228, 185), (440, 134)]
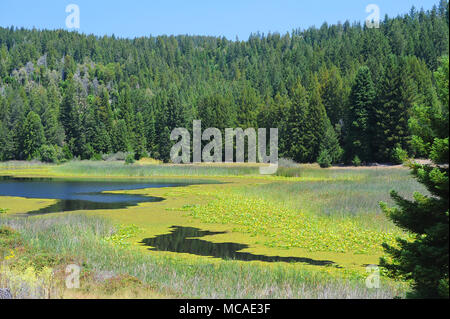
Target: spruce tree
[(424, 260), (140, 142), (390, 116), (359, 115), (32, 137), (317, 121), (297, 125)]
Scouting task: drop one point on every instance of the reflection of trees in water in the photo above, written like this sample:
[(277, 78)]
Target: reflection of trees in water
[(185, 240), (70, 205)]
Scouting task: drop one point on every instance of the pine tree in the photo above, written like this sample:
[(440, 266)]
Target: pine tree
[(121, 142), (317, 121), (359, 115), (425, 259), (140, 142), (330, 144), (32, 137), (298, 119), (333, 94), (390, 116)]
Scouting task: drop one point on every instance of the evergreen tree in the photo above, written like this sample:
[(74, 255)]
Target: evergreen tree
[(330, 144), (298, 125), (390, 116), (425, 259), (122, 142), (317, 121), (32, 137), (333, 94), (140, 142), (359, 115)]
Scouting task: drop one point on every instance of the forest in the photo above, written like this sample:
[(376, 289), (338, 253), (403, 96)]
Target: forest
[(339, 93)]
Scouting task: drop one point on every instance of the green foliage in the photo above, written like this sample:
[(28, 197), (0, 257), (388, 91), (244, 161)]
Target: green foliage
[(324, 159), (122, 234), (356, 161), (130, 158), (399, 155), (424, 260), (390, 114), (51, 154), (32, 136), (105, 95), (330, 144), (360, 111)]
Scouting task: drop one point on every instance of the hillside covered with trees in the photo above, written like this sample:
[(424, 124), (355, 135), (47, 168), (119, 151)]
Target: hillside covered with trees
[(338, 93)]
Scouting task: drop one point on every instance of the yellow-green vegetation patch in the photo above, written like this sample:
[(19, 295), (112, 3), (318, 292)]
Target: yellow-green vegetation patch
[(20, 205), (285, 227), (122, 234)]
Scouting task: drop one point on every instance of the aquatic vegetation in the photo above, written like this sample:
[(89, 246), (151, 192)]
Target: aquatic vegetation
[(315, 214), (285, 227), (82, 236), (123, 233)]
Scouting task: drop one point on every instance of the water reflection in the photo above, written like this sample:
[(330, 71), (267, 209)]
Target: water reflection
[(185, 240), (81, 194)]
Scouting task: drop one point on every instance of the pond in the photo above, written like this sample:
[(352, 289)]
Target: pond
[(82, 194), (186, 240)]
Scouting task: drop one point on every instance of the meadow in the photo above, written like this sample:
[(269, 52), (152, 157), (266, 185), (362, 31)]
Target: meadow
[(303, 212)]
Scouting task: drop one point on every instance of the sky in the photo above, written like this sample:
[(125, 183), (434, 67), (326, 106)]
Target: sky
[(228, 18)]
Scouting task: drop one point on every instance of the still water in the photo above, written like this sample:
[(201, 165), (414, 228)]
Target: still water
[(186, 240), (80, 194)]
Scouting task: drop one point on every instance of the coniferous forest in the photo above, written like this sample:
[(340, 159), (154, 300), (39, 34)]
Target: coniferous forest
[(339, 93)]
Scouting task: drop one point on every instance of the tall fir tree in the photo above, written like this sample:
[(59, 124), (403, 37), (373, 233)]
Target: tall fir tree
[(390, 116), (359, 115), (32, 136)]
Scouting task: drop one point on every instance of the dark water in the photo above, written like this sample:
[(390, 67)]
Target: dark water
[(185, 240), (79, 194)]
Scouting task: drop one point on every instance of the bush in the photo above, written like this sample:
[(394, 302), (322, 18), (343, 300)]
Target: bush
[(399, 155), (96, 157), (51, 154), (324, 159), (67, 154), (129, 159), (356, 161)]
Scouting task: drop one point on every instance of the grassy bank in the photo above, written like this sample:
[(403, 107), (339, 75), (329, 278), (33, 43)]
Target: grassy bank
[(88, 168), (303, 212), (80, 239)]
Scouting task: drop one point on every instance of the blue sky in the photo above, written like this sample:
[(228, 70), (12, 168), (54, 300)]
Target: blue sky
[(229, 18)]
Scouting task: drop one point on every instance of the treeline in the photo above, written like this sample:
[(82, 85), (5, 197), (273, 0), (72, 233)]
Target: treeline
[(338, 93)]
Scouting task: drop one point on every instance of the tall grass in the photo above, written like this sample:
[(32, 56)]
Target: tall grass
[(340, 192), (23, 164), (82, 236), (89, 168)]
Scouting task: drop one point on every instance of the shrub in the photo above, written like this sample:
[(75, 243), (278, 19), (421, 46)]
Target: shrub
[(51, 154), (399, 155), (356, 161), (67, 154), (129, 159), (96, 157), (324, 159)]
